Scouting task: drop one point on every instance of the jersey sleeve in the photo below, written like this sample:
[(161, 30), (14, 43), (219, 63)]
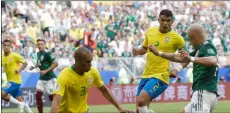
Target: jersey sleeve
[(19, 58), (50, 57), (180, 42), (98, 82), (61, 83), (145, 42), (208, 51)]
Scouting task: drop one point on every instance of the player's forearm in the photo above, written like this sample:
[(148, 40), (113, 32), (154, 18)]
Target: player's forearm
[(142, 50), (106, 93), (55, 104), (205, 61), (23, 66), (53, 65), (172, 57)]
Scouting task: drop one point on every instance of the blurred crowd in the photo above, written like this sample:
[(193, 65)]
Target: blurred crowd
[(107, 28)]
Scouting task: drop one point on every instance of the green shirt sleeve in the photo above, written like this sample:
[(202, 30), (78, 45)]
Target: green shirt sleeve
[(50, 57)]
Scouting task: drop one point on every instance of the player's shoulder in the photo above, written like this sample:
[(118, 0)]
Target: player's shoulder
[(153, 28), (14, 54), (93, 70), (175, 34), (47, 51), (65, 72), (208, 45)]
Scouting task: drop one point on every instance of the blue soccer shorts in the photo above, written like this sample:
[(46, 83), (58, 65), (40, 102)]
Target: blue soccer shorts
[(153, 86), (13, 89)]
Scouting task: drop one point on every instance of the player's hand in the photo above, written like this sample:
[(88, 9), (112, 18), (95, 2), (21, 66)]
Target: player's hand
[(173, 73), (17, 71), (43, 72), (135, 51), (126, 111), (154, 50), (184, 55)]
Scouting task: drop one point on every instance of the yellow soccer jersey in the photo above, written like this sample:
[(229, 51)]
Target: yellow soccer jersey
[(74, 89), (166, 42), (10, 64)]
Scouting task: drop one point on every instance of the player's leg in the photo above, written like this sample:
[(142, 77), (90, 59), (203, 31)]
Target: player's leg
[(201, 102), (140, 87), (50, 88), (39, 92), (152, 89), (209, 100), (11, 88), (18, 95)]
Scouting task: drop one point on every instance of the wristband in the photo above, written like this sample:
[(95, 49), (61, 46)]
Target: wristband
[(160, 53), (192, 59)]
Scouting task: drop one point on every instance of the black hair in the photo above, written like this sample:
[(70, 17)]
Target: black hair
[(41, 40), (6, 40), (167, 13)]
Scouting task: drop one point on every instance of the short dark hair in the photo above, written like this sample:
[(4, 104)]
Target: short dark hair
[(167, 13), (6, 40), (41, 40)]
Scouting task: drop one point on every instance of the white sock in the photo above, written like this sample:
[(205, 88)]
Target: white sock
[(14, 101), (143, 109)]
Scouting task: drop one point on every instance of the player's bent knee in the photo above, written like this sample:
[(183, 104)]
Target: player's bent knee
[(4, 94), (141, 102)]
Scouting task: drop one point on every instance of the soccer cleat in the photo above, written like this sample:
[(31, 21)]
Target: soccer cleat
[(27, 109), (21, 107)]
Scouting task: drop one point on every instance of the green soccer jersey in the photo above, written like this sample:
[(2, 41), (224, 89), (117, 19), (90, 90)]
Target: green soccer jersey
[(204, 78), (44, 61)]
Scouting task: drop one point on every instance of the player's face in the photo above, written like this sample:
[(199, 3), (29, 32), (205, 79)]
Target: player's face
[(41, 45), (6, 47), (192, 39), (165, 23), (86, 63)]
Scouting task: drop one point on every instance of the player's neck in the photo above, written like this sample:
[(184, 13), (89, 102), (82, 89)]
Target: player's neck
[(76, 70), (7, 53), (162, 31)]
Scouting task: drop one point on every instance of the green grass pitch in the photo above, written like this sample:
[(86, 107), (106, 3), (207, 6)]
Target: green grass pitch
[(222, 107)]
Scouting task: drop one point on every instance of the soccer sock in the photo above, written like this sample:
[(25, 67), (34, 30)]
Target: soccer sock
[(143, 109), (39, 101), (14, 101), (51, 97)]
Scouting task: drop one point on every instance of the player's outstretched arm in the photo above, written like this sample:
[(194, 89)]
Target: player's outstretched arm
[(56, 103), (205, 61), (175, 57), (139, 51), (106, 93)]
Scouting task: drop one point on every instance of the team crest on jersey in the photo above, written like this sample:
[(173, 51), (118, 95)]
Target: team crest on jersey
[(166, 39), (90, 80)]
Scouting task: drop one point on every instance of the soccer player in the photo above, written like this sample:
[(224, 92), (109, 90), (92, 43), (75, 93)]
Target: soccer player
[(73, 83), (11, 63), (155, 78), (204, 97), (46, 83)]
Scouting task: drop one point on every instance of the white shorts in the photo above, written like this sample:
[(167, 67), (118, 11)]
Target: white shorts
[(46, 86), (202, 102)]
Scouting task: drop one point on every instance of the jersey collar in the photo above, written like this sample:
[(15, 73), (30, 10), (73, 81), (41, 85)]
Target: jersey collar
[(73, 68), (166, 32)]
